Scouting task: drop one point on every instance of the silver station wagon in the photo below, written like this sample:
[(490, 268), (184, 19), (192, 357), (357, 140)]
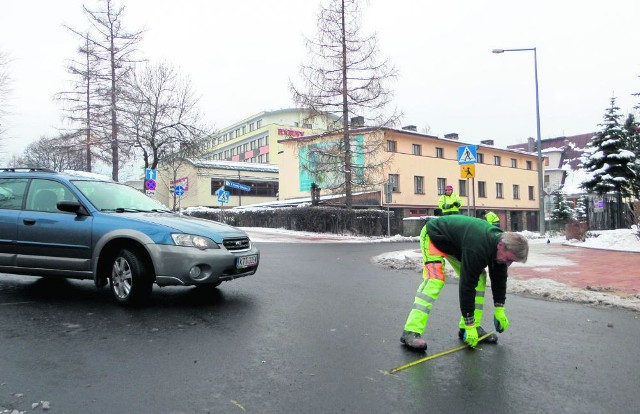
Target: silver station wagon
[(83, 226)]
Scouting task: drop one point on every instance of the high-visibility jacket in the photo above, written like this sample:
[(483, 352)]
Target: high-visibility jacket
[(446, 204), (492, 218)]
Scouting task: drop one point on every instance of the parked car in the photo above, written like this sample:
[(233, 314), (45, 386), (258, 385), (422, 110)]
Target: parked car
[(84, 226)]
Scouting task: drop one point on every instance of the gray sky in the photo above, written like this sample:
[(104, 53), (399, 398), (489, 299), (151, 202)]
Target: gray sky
[(240, 56)]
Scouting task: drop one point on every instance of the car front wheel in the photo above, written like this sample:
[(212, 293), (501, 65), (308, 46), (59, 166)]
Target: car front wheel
[(130, 280)]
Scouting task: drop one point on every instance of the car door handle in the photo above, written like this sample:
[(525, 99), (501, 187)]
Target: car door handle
[(29, 221)]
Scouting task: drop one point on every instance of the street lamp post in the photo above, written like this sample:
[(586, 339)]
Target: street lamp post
[(539, 143)]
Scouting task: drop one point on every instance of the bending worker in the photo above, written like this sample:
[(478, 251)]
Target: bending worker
[(449, 202), (470, 245), (491, 217)]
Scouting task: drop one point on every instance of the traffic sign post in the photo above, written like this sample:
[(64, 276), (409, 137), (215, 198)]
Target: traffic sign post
[(467, 158), (150, 174)]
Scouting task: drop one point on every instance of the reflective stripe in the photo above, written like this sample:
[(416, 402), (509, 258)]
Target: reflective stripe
[(479, 293), (425, 297), (479, 306), (422, 308)]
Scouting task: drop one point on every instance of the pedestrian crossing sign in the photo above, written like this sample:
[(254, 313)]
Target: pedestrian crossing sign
[(467, 154)]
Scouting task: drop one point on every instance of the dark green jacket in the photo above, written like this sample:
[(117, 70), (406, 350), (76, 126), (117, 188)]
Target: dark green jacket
[(474, 242)]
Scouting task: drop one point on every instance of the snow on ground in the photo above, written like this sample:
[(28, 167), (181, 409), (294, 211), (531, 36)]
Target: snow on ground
[(622, 240)]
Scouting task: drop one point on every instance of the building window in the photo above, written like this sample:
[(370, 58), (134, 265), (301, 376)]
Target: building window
[(439, 152), (462, 188), (531, 193), (308, 126), (529, 165), (394, 179), (480, 158), (417, 149), (482, 189), (418, 184), (244, 130), (441, 183), (259, 123), (514, 163), (499, 190), (497, 160), (391, 146), (252, 126), (546, 180), (516, 192)]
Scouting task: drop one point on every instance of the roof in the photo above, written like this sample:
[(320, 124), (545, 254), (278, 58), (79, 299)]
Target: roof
[(401, 131)]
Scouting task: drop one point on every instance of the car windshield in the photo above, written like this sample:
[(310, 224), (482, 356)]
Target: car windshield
[(111, 196)]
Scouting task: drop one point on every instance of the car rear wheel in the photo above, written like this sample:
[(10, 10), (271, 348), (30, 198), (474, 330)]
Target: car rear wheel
[(130, 280)]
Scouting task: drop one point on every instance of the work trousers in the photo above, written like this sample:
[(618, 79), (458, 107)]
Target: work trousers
[(433, 282)]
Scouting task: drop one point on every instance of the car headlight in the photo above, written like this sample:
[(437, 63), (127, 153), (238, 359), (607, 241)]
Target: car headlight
[(191, 240)]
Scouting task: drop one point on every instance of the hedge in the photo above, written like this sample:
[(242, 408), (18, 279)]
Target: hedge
[(360, 222)]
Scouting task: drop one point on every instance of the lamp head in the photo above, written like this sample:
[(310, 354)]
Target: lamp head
[(497, 51)]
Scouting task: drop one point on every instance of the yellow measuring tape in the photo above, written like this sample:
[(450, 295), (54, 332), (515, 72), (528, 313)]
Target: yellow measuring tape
[(439, 354)]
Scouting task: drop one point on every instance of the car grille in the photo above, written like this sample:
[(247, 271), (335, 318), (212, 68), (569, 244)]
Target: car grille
[(237, 244)]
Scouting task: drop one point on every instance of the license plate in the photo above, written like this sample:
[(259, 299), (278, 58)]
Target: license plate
[(247, 261)]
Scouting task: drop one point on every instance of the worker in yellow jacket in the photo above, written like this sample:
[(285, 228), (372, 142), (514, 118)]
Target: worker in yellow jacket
[(449, 202), (491, 217)]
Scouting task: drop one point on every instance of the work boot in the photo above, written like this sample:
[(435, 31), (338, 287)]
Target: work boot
[(491, 339), (413, 340)]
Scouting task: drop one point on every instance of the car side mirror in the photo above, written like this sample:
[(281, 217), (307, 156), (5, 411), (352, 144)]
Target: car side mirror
[(72, 207)]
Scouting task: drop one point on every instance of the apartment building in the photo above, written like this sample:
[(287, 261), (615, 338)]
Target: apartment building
[(255, 139), (419, 166)]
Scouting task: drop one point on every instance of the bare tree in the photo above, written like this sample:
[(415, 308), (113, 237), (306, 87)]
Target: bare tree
[(5, 80), (344, 76), (82, 104), (113, 49), (57, 153), (160, 114)]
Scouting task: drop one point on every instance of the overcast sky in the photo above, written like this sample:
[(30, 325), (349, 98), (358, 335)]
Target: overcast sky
[(241, 54)]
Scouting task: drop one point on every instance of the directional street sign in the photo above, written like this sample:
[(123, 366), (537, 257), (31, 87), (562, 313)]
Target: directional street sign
[(467, 154), (237, 185), (150, 184), (179, 190)]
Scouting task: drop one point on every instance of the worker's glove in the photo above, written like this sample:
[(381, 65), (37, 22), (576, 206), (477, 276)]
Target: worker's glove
[(500, 320), (470, 332), (457, 204), (471, 336)]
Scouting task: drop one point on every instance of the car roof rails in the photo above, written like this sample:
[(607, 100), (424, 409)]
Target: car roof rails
[(26, 169)]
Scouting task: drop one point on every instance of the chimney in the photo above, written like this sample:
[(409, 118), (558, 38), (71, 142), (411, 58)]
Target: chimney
[(410, 128), (531, 144), (487, 142), (357, 121), (453, 135)]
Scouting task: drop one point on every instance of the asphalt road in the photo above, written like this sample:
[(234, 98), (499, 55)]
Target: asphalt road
[(316, 330)]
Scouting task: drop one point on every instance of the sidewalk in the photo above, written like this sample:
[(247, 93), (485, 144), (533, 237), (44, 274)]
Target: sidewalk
[(606, 270)]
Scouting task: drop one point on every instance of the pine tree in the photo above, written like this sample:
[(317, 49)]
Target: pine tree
[(607, 159), (562, 211), (581, 213), (632, 132)]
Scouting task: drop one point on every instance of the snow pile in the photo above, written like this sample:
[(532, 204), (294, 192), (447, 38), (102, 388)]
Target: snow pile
[(625, 240)]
